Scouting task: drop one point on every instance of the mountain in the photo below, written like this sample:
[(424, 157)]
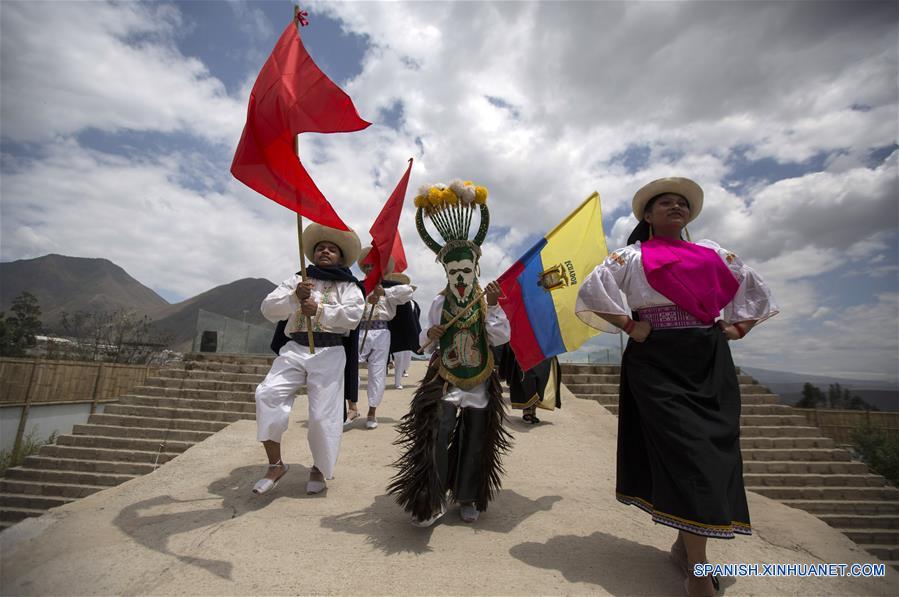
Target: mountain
[(71, 284), (238, 300), (882, 394)]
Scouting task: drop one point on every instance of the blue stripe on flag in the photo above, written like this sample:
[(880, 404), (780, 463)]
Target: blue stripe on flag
[(540, 306)]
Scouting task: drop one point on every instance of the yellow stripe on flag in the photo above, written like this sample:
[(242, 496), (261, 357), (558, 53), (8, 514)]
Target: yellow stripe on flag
[(578, 244)]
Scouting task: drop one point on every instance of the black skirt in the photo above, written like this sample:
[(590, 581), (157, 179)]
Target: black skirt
[(679, 432)]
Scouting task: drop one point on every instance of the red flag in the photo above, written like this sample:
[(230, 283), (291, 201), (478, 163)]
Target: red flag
[(399, 254), (291, 96), (385, 233)]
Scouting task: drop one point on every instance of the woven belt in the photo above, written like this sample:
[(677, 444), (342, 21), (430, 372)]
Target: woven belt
[(669, 316), (321, 339), (374, 325)]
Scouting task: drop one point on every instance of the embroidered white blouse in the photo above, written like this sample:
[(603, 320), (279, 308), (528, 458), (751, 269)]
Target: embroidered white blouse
[(339, 306), (622, 273), (498, 332), (385, 308)]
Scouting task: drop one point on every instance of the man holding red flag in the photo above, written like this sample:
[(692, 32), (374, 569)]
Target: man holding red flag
[(374, 337), (383, 298), (318, 313)]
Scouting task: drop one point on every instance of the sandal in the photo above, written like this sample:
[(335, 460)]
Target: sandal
[(351, 416), (530, 417), (264, 485)]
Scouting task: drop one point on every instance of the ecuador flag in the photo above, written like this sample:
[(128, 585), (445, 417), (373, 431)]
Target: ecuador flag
[(541, 288)]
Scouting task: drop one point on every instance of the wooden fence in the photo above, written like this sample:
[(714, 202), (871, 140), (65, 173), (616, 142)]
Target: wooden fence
[(39, 381), (839, 424)]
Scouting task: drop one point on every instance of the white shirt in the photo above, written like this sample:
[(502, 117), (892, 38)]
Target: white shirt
[(385, 308), (498, 332), (622, 273), (339, 306)]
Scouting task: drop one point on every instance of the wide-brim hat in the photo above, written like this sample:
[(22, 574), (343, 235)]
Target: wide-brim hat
[(364, 254), (346, 240), (684, 187), (398, 278)]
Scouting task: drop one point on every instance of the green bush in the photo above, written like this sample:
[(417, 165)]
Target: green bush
[(879, 449), (30, 445)]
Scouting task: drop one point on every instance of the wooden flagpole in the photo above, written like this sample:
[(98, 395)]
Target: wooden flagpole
[(296, 151)]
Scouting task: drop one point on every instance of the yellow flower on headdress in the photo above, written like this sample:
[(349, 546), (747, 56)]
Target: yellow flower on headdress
[(421, 201), (434, 196), (480, 195), (449, 197)]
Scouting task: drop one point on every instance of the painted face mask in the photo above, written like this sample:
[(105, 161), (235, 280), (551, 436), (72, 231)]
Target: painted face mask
[(465, 357), (461, 277)]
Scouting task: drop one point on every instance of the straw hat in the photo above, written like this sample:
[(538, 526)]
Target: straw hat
[(364, 254), (684, 187), (347, 240), (398, 278)]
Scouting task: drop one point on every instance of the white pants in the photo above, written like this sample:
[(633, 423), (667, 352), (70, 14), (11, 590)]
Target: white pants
[(375, 352), (322, 373), (401, 362)]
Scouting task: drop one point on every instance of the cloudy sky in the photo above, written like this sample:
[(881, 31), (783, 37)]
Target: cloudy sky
[(119, 122)]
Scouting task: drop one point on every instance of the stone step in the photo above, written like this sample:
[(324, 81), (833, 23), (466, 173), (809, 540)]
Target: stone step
[(35, 502), (203, 375), (780, 410), (83, 453), (579, 368), (42, 475), (122, 420), (769, 420), (804, 454), (779, 431), (884, 552), (576, 379), (180, 435), (224, 357), (10, 514), (754, 480), (868, 507), (69, 490), (98, 466), (612, 408), (861, 521), (254, 369), (193, 394), (786, 442), (121, 443), (829, 493), (826, 467), (748, 400), (866, 537), (604, 399), (243, 406), (215, 385), (586, 378), (154, 412)]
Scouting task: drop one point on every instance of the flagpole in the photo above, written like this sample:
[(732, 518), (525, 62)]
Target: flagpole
[(370, 315), (449, 323), (296, 151)]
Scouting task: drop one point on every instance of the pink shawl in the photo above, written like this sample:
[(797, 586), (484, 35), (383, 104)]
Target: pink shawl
[(691, 276)]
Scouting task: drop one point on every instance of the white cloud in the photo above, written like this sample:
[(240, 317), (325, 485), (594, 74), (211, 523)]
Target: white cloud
[(111, 67)]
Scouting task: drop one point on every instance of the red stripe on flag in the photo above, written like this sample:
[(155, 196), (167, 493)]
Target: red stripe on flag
[(524, 343)]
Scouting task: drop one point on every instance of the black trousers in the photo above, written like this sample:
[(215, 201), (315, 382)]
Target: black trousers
[(460, 447)]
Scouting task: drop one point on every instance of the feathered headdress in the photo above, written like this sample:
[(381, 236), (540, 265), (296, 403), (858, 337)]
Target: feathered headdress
[(450, 208)]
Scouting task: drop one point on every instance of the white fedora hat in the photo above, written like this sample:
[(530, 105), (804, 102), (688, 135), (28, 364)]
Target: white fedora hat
[(346, 240), (684, 187), (398, 278)]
